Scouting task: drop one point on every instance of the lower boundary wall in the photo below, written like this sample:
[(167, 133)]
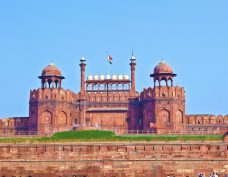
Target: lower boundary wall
[(113, 159)]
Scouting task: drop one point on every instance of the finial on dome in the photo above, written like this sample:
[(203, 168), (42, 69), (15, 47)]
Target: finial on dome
[(162, 61), (133, 59), (51, 63), (82, 60)]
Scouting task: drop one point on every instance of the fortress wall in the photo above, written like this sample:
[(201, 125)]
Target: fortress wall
[(114, 159), (10, 126), (205, 119), (205, 122)]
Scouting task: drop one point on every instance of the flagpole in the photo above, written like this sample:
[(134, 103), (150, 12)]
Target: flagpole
[(108, 67)]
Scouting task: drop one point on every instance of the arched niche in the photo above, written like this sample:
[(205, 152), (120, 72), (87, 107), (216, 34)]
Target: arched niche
[(192, 120), (62, 118), (220, 119), (199, 120), (165, 115), (179, 116), (46, 118), (213, 120), (206, 120)]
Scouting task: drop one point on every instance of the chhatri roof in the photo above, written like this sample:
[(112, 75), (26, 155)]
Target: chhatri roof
[(51, 70), (162, 68)]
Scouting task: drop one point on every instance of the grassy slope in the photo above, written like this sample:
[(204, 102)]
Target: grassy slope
[(108, 136)]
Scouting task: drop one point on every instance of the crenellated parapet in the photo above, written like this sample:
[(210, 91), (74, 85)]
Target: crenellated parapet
[(14, 122), (53, 94), (207, 123), (163, 92), (13, 125), (206, 119)]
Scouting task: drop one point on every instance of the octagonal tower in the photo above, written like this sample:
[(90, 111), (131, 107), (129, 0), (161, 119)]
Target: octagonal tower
[(51, 108), (163, 105)]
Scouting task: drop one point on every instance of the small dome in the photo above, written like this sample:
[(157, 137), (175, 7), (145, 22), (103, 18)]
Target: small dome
[(126, 77), (102, 77), (163, 67), (90, 77), (108, 77), (96, 77), (114, 77), (51, 70), (120, 77)]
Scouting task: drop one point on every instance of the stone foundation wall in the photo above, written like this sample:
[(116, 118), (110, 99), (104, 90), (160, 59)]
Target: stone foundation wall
[(113, 159)]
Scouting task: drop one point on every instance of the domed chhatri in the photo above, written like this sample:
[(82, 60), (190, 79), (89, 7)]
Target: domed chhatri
[(163, 67), (51, 70), (51, 77), (163, 72)]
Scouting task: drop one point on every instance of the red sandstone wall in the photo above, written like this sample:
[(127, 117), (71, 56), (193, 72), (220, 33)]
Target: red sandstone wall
[(114, 159), (52, 110), (207, 123)]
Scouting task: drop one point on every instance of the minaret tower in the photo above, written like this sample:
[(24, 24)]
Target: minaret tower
[(82, 66), (82, 98), (133, 64)]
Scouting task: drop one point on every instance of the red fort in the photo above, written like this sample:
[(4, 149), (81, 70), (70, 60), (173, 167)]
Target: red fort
[(110, 103)]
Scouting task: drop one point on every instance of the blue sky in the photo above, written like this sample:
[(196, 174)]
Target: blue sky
[(191, 35)]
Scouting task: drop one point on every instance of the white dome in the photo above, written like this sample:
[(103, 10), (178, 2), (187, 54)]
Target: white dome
[(120, 77), (96, 77), (126, 77), (102, 77), (114, 77), (108, 77), (90, 77)]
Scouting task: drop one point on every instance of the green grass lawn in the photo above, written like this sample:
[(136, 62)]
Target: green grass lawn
[(108, 136)]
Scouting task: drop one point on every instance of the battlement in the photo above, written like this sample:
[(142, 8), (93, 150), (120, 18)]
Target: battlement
[(13, 125), (53, 94), (14, 122), (199, 119), (163, 92)]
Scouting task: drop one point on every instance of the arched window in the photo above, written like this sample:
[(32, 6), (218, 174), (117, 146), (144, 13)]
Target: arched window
[(164, 115), (56, 83), (49, 83), (156, 83), (163, 82), (170, 82), (179, 116)]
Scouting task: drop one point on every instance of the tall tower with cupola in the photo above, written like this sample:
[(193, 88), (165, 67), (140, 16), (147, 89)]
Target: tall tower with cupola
[(164, 104), (51, 108)]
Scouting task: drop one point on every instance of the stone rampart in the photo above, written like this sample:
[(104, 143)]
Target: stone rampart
[(113, 159)]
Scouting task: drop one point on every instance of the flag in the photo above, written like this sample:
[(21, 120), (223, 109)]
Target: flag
[(110, 59)]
